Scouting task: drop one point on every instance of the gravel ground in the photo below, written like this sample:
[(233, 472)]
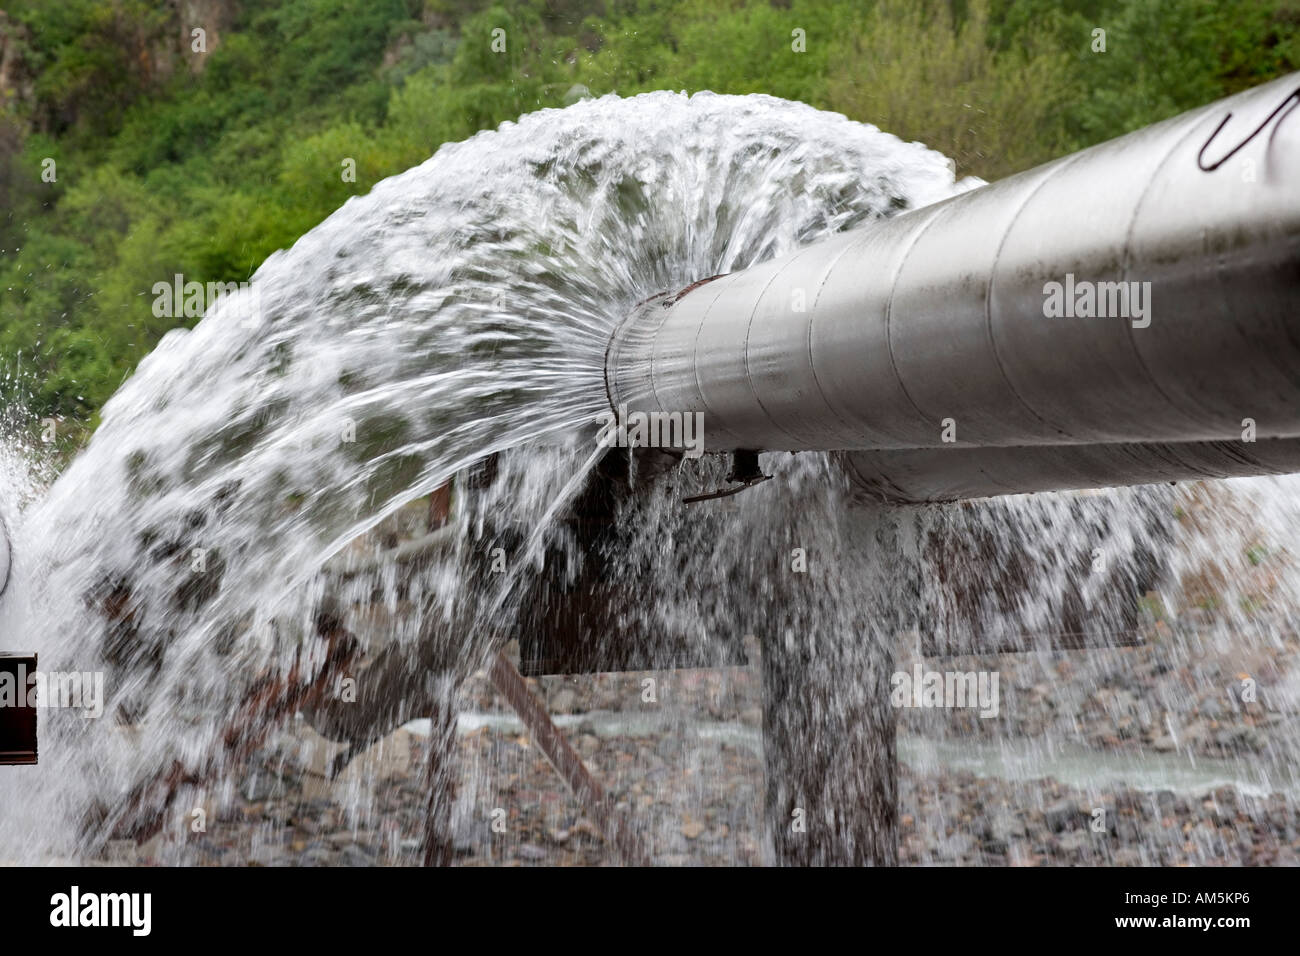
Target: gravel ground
[(687, 771)]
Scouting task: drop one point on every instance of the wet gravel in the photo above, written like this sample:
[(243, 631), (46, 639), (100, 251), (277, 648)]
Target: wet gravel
[(690, 781)]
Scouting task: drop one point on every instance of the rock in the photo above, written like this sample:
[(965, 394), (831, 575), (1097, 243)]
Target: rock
[(565, 702), (1194, 734), (958, 847), (1127, 830), (356, 856), (1235, 740), (123, 852), (257, 786), (1021, 854), (1226, 796), (1005, 827), (1061, 815), (1126, 856), (386, 759), (1127, 800), (1077, 841)]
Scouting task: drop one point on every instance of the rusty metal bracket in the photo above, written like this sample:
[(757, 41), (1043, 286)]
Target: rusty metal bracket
[(507, 679), (17, 720), (744, 470)]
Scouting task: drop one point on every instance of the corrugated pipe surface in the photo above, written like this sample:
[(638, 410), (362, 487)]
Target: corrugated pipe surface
[(1120, 296)]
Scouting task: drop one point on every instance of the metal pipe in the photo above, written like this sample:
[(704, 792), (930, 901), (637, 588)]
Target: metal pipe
[(920, 475), (931, 330)]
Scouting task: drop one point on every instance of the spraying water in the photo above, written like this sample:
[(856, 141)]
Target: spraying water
[(460, 309), (201, 551)]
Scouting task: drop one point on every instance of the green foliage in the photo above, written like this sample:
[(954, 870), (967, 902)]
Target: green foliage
[(169, 165), (84, 56), (917, 71)]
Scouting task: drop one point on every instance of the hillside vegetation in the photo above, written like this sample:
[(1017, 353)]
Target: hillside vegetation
[(130, 151)]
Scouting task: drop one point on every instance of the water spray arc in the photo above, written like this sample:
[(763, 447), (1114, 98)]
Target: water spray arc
[(6, 557)]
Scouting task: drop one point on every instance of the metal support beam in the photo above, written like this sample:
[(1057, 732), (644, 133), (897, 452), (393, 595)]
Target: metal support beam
[(567, 763)]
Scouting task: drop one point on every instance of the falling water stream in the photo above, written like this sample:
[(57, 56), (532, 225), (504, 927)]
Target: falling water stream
[(459, 312)]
